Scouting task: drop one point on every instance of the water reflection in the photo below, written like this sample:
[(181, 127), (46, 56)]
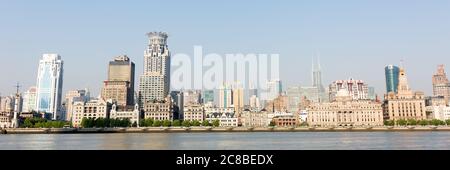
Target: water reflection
[(227, 141)]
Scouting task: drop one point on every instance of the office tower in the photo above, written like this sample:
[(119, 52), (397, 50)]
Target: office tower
[(238, 99), (74, 96), (317, 79), (49, 85), (208, 97), (405, 104), (29, 100), (357, 89), (441, 85), (120, 84), (372, 95), (225, 96), (294, 97), (392, 75), (311, 93), (274, 89), (155, 82)]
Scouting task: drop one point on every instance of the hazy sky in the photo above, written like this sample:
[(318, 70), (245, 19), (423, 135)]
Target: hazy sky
[(356, 38)]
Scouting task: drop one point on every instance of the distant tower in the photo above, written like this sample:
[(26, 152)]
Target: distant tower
[(392, 77), (155, 82), (441, 85), (317, 80), (120, 84), (49, 85)]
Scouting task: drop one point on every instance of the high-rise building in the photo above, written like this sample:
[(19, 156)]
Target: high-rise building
[(275, 89), (294, 96), (73, 96), (7, 104), (225, 96), (29, 100), (372, 95), (120, 84), (238, 100), (357, 89), (208, 96), (392, 75), (441, 85), (155, 82), (405, 104), (49, 85)]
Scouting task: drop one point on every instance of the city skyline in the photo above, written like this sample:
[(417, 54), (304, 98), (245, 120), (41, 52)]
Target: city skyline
[(422, 53)]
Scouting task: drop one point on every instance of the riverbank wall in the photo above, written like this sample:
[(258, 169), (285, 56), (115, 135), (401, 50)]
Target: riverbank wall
[(219, 129)]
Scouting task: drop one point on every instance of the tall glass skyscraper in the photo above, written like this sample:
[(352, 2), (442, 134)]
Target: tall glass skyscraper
[(49, 85), (392, 75)]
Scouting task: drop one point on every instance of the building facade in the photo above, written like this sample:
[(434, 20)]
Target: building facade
[(194, 112), (131, 113), (405, 104), (357, 89), (225, 96), (49, 85), (441, 85), (29, 100), (345, 111), (96, 108), (155, 82), (159, 110), (255, 118), (71, 97), (120, 84)]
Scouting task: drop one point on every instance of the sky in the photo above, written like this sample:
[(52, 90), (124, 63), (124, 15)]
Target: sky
[(355, 38)]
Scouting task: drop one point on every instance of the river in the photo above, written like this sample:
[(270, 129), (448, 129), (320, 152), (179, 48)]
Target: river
[(230, 141)]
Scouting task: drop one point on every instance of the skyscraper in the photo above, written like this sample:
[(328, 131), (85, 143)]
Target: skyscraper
[(317, 81), (49, 85), (225, 96), (392, 75), (120, 84), (275, 89), (441, 85), (208, 97), (155, 82)]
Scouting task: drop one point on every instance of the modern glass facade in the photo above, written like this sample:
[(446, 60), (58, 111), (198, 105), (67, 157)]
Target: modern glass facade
[(392, 74), (49, 85)]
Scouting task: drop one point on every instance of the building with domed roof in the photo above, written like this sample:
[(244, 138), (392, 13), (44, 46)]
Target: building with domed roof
[(345, 111)]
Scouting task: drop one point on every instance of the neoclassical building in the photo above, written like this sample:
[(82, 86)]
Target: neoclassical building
[(194, 112), (95, 109), (344, 111), (159, 110), (405, 104)]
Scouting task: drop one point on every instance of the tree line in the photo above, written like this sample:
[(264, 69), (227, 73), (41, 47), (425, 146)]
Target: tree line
[(413, 122), (177, 123), (105, 122), (43, 123)]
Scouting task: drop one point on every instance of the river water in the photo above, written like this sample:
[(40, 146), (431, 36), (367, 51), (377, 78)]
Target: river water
[(230, 141)]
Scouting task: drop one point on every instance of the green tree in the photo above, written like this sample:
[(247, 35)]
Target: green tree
[(100, 122), (176, 123), (134, 124), (186, 123), (423, 122), (196, 123), (157, 123), (437, 122), (205, 123), (27, 123), (167, 123), (447, 122), (402, 122), (216, 123), (149, 122), (272, 123), (412, 122)]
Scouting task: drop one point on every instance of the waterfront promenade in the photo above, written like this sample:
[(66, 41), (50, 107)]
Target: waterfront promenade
[(220, 129)]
